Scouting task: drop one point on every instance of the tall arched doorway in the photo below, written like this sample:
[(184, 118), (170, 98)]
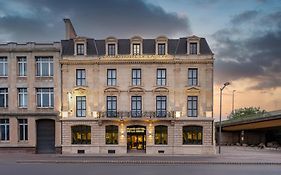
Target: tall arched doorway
[(45, 139), (136, 138)]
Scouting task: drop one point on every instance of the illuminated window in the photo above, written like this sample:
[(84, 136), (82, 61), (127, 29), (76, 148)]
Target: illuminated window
[(161, 135), (136, 49), (192, 135), (81, 134), (111, 134)]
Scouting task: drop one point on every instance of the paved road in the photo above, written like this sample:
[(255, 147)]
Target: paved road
[(109, 169)]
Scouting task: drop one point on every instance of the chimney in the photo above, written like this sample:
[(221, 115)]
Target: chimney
[(69, 29)]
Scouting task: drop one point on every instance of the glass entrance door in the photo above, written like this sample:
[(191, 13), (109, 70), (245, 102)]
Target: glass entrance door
[(136, 138)]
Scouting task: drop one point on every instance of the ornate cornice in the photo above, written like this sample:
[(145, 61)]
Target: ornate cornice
[(136, 61)]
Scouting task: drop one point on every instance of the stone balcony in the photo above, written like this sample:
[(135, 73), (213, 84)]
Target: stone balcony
[(136, 115)]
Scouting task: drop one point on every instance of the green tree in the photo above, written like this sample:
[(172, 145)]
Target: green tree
[(246, 112)]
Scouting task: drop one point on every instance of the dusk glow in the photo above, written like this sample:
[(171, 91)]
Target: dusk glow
[(245, 36)]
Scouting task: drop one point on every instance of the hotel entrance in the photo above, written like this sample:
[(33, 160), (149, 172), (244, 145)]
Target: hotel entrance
[(136, 138)]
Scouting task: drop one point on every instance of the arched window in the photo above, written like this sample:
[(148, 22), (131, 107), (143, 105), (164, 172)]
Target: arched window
[(111, 134), (192, 135), (81, 134), (161, 135)]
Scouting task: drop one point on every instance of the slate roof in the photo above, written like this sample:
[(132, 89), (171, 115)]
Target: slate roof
[(97, 47)]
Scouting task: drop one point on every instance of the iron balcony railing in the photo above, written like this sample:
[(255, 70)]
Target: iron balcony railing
[(136, 114)]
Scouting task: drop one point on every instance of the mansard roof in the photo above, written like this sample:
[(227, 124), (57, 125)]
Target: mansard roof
[(97, 47)]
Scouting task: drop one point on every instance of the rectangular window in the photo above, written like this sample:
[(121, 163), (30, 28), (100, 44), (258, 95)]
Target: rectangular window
[(161, 106), (192, 76), (193, 48), (45, 97), (136, 49), (22, 97), (80, 49), (111, 106), (111, 49), (81, 106), (111, 77), (44, 66), (3, 97), (80, 77), (161, 77), (192, 106), (23, 129), (136, 106), (22, 63), (136, 77), (3, 66), (4, 130), (161, 49)]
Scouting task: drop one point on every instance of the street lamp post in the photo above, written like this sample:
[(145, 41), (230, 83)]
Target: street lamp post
[(233, 101), (221, 89)]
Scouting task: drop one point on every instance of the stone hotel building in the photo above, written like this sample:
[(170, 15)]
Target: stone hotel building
[(107, 96)]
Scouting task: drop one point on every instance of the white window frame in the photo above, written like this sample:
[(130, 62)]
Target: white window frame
[(115, 48), (24, 127), (24, 94), (50, 93), (6, 126), (22, 66), (40, 60), (5, 94), (4, 67)]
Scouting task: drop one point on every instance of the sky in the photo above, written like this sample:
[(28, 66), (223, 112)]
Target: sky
[(245, 35)]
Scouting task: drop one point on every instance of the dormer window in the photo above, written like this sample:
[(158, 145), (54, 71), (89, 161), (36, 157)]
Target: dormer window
[(136, 45), (193, 48), (161, 45), (80, 49), (111, 46), (136, 49), (161, 49), (111, 49), (193, 45)]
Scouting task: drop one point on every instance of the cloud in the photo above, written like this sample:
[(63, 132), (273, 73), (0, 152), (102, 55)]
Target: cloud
[(253, 53), (244, 17), (42, 20)]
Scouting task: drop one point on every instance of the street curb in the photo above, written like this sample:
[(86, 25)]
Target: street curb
[(145, 162)]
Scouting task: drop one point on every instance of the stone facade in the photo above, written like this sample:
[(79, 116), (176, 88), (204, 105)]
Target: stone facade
[(80, 113), (13, 81)]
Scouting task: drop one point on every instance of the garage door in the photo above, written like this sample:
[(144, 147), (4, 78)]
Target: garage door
[(45, 136)]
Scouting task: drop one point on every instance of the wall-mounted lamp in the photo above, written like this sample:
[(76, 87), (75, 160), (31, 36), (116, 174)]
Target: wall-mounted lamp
[(178, 114), (94, 114), (150, 134), (122, 133)]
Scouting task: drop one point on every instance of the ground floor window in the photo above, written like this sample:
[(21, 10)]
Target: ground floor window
[(192, 135), (161, 135), (81, 134), (23, 129), (4, 130), (111, 134)]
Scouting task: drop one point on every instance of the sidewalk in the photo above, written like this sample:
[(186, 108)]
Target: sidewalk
[(230, 155)]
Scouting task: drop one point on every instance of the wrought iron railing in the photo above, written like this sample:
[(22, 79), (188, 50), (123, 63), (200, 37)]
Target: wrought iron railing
[(136, 114)]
